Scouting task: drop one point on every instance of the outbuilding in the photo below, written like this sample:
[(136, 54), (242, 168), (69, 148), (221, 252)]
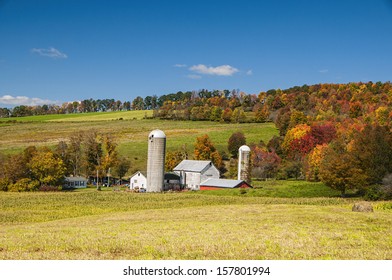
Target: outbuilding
[(137, 181), (219, 184), (171, 182)]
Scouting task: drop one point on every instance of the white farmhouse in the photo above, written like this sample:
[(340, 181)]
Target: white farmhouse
[(193, 172), (138, 181)]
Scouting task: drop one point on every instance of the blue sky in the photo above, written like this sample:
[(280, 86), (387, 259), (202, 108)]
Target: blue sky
[(65, 50)]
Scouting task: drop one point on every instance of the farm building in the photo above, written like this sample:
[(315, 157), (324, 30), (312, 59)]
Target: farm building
[(218, 184), (193, 172), (137, 181), (75, 183)]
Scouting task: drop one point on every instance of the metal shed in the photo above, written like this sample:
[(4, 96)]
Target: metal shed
[(218, 184)]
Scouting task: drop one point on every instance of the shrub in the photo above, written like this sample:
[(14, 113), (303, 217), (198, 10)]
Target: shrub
[(4, 183), (23, 185), (373, 193)]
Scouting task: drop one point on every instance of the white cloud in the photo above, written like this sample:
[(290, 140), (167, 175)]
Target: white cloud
[(249, 72), (223, 70), (180, 65), (24, 100), (323, 71), (51, 52), (194, 77)]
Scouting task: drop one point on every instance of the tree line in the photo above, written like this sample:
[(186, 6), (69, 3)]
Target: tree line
[(84, 106), (151, 102)]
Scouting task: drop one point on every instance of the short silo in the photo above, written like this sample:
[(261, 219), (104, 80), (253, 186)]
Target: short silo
[(156, 160), (243, 163)]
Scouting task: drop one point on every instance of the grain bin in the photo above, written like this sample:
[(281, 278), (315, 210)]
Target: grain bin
[(156, 160), (243, 163)]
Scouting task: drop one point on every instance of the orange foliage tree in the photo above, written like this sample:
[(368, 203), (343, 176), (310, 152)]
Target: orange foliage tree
[(205, 150)]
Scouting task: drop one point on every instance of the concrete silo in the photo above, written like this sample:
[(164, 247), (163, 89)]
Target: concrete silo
[(244, 163), (156, 160)]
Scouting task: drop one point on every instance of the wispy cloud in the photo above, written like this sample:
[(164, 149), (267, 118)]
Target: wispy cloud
[(323, 71), (24, 100), (223, 70), (50, 52), (180, 65), (194, 77), (249, 72)]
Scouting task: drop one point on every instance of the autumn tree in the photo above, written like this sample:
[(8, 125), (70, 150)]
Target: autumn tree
[(264, 163), (323, 133), (138, 103), (74, 153), (92, 152), (47, 168), (372, 150), (122, 167), (296, 118), (216, 113), (205, 150), (236, 140), (313, 162), (382, 115), (261, 112), (238, 115), (297, 141), (173, 158), (110, 155), (227, 115), (339, 170)]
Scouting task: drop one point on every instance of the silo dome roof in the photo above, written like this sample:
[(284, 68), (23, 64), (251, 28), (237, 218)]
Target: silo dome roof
[(157, 134), (244, 148)]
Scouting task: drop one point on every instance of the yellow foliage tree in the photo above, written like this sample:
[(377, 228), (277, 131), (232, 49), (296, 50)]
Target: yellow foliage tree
[(313, 162)]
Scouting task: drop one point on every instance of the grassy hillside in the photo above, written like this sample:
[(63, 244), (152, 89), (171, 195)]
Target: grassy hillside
[(130, 129), (120, 225)]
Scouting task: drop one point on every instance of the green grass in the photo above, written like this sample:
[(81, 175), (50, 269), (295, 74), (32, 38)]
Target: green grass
[(119, 225), (284, 189)]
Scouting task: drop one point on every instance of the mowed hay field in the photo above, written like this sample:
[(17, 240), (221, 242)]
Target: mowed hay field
[(89, 224), (129, 128)]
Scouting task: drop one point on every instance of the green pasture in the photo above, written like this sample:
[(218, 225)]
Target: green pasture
[(88, 224), (130, 129), (81, 117)]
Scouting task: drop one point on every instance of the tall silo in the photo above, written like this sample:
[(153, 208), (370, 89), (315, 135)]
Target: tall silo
[(156, 160), (244, 163)]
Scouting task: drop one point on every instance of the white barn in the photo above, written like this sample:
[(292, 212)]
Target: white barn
[(193, 172), (137, 181)]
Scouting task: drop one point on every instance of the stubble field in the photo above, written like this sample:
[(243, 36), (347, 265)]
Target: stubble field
[(121, 225)]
